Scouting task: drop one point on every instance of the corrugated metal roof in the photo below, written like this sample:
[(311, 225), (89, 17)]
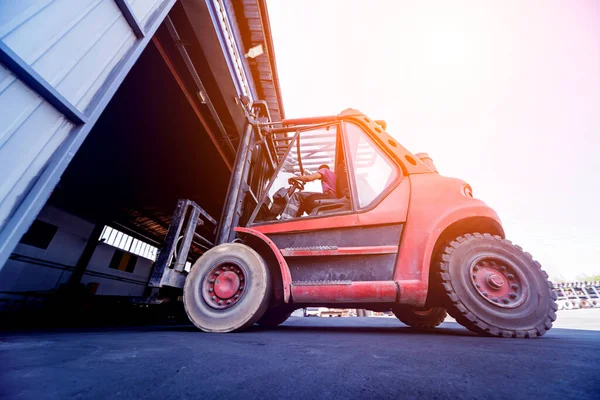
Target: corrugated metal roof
[(155, 224), (253, 22)]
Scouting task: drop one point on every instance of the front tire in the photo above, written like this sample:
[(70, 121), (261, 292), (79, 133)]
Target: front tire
[(422, 319), (228, 289), (494, 288)]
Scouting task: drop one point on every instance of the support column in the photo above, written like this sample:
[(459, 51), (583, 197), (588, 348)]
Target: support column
[(86, 256)]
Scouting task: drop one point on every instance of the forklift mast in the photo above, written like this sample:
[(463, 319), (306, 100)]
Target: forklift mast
[(256, 161)]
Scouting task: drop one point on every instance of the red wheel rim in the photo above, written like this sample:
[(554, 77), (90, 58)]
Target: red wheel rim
[(223, 286), (499, 283)]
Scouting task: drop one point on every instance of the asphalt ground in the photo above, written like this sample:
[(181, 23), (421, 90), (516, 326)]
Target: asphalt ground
[(306, 358)]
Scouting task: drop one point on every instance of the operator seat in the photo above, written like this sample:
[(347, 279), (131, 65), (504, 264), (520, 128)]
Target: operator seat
[(342, 203)]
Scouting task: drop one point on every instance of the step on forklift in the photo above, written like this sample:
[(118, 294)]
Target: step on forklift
[(397, 236)]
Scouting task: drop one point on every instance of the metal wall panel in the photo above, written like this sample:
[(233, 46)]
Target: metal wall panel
[(30, 131), (28, 269), (143, 9), (73, 45), (60, 63), (32, 268)]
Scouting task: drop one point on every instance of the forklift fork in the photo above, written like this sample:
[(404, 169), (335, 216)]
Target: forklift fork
[(169, 268)]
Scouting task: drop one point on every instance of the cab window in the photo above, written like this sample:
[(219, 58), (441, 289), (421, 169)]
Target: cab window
[(372, 172), (317, 147)]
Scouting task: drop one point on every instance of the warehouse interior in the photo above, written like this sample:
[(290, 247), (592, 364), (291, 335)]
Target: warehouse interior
[(149, 149)]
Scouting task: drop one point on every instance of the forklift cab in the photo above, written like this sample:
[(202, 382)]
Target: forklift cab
[(363, 171)]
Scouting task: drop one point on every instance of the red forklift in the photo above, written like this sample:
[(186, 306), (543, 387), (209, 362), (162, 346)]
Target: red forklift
[(399, 237)]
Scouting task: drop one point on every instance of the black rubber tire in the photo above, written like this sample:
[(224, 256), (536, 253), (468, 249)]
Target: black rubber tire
[(252, 304), (274, 317), (422, 319), (532, 318)]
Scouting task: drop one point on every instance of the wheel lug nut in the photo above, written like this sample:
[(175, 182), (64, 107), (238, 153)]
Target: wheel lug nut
[(220, 302), (228, 301), (495, 299), (241, 287), (505, 301), (512, 296), (493, 263), (485, 294), (217, 272), (474, 277), (211, 280), (213, 297), (476, 268), (237, 296), (502, 268), (210, 289), (514, 286), (510, 276), (477, 285)]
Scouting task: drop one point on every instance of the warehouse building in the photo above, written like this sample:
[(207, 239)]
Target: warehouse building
[(111, 111)]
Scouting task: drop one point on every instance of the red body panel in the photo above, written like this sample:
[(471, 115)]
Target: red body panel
[(392, 209), (436, 203), (356, 292), (340, 251), (307, 224), (285, 271), (425, 202)]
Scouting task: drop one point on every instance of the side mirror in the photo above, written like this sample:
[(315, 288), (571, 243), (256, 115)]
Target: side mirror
[(381, 123)]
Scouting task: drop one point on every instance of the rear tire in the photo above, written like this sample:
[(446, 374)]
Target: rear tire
[(494, 288), (228, 289), (274, 317), (422, 319)]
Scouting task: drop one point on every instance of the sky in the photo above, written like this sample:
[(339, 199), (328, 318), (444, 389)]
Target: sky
[(502, 94)]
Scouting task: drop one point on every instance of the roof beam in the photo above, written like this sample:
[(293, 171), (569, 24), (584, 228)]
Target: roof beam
[(191, 101)]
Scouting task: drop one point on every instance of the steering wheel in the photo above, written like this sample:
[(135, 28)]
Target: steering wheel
[(296, 183)]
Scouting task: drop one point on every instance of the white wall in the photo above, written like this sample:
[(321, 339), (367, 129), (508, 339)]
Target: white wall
[(65, 248), (62, 255), (100, 262)]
